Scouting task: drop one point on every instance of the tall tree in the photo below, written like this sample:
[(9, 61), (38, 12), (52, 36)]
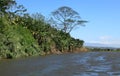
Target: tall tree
[(65, 19)]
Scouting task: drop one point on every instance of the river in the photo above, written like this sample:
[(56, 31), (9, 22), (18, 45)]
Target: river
[(72, 64)]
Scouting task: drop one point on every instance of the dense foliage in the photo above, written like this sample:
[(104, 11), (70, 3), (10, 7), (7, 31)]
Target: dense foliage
[(16, 41), (26, 35), (5, 5)]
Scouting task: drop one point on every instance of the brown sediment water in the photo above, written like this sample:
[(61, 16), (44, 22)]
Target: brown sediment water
[(76, 64)]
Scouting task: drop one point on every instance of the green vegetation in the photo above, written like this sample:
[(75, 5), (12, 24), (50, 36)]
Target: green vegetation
[(23, 35), (16, 41), (102, 49)]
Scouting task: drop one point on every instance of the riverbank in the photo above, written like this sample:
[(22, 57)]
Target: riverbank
[(23, 41), (57, 52), (24, 35), (77, 50), (103, 49)]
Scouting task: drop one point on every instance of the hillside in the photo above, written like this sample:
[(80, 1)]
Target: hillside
[(33, 37)]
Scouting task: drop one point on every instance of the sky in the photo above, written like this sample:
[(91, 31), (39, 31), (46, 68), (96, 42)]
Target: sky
[(103, 18)]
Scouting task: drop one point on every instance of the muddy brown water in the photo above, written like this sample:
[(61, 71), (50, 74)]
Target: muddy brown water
[(80, 64)]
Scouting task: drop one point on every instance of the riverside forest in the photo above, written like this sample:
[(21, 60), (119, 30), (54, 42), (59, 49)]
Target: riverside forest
[(30, 42), (23, 34)]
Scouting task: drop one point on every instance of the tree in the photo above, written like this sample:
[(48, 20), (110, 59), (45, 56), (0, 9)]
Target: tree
[(10, 7), (14, 13), (65, 19), (6, 4)]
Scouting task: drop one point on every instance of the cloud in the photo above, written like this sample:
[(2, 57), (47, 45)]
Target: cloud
[(107, 40), (105, 37)]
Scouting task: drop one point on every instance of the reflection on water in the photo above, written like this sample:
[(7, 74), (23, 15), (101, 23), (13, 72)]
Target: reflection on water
[(81, 64)]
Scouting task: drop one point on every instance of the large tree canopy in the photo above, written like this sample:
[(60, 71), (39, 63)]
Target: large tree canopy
[(65, 19)]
